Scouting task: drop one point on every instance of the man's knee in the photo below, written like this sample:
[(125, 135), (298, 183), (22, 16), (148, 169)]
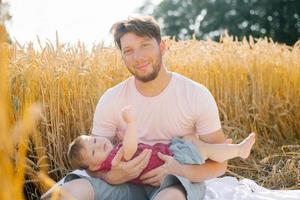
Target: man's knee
[(171, 193), (75, 189)]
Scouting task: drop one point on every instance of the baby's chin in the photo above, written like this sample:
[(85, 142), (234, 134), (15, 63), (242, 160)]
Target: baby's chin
[(109, 147)]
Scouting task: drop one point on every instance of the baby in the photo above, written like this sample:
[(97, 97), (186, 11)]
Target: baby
[(96, 153)]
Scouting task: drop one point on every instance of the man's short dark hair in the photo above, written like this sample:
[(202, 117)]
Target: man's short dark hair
[(141, 26)]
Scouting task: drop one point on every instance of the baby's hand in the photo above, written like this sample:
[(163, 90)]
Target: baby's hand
[(127, 114)]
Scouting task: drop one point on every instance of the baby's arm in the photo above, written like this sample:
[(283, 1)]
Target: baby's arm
[(130, 137), (222, 152)]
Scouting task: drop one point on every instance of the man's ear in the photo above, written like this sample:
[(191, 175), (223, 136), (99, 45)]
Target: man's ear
[(162, 47)]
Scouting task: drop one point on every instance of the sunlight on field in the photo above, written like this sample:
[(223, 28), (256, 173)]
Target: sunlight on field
[(255, 83)]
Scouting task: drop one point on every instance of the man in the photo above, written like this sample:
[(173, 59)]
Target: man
[(166, 105)]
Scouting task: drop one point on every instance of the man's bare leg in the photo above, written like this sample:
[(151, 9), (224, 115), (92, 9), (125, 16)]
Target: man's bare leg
[(75, 189), (171, 193)]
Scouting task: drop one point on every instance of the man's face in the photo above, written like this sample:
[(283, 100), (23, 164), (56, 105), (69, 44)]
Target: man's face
[(96, 150), (142, 56)]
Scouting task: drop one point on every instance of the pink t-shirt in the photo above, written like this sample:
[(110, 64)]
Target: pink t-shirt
[(182, 108), (153, 163)]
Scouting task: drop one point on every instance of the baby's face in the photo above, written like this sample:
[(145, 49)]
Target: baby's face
[(96, 150)]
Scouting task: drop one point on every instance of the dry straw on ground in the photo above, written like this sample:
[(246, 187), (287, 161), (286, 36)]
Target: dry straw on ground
[(255, 84)]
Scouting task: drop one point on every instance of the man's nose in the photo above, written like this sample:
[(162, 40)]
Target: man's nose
[(138, 55)]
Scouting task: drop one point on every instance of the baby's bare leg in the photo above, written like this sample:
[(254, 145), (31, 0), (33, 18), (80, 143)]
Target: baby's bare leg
[(222, 152), (193, 138), (246, 146)]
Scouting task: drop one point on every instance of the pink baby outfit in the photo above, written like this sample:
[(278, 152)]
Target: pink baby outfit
[(153, 163)]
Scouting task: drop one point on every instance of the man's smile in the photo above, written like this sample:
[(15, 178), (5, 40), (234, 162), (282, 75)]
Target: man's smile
[(142, 66)]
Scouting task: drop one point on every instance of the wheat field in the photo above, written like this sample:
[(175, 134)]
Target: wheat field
[(49, 93)]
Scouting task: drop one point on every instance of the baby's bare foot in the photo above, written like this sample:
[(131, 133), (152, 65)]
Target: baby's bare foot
[(127, 114), (246, 145)]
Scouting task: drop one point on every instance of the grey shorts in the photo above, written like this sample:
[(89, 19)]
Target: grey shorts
[(105, 191), (184, 152), (128, 191)]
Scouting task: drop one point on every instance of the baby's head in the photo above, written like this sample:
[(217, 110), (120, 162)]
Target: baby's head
[(88, 152)]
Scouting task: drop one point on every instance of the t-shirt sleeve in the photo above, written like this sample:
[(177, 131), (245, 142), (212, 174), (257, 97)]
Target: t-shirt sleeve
[(207, 114), (105, 122)]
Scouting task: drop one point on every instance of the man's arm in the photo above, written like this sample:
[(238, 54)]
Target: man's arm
[(123, 171), (195, 173), (210, 169), (207, 120)]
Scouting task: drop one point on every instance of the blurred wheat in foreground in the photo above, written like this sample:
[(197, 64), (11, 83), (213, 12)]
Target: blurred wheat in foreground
[(256, 85), (14, 136)]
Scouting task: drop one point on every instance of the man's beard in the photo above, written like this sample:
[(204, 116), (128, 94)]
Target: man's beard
[(150, 77)]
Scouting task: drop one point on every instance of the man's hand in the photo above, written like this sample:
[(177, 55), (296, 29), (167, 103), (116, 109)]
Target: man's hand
[(122, 172), (156, 176)]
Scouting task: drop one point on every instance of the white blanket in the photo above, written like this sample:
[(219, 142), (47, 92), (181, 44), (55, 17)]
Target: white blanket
[(229, 188)]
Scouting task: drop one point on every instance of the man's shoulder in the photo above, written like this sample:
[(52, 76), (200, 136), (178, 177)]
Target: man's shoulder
[(120, 87), (187, 84)]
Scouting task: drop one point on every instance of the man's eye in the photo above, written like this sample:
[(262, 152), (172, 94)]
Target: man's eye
[(127, 52), (145, 45)]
